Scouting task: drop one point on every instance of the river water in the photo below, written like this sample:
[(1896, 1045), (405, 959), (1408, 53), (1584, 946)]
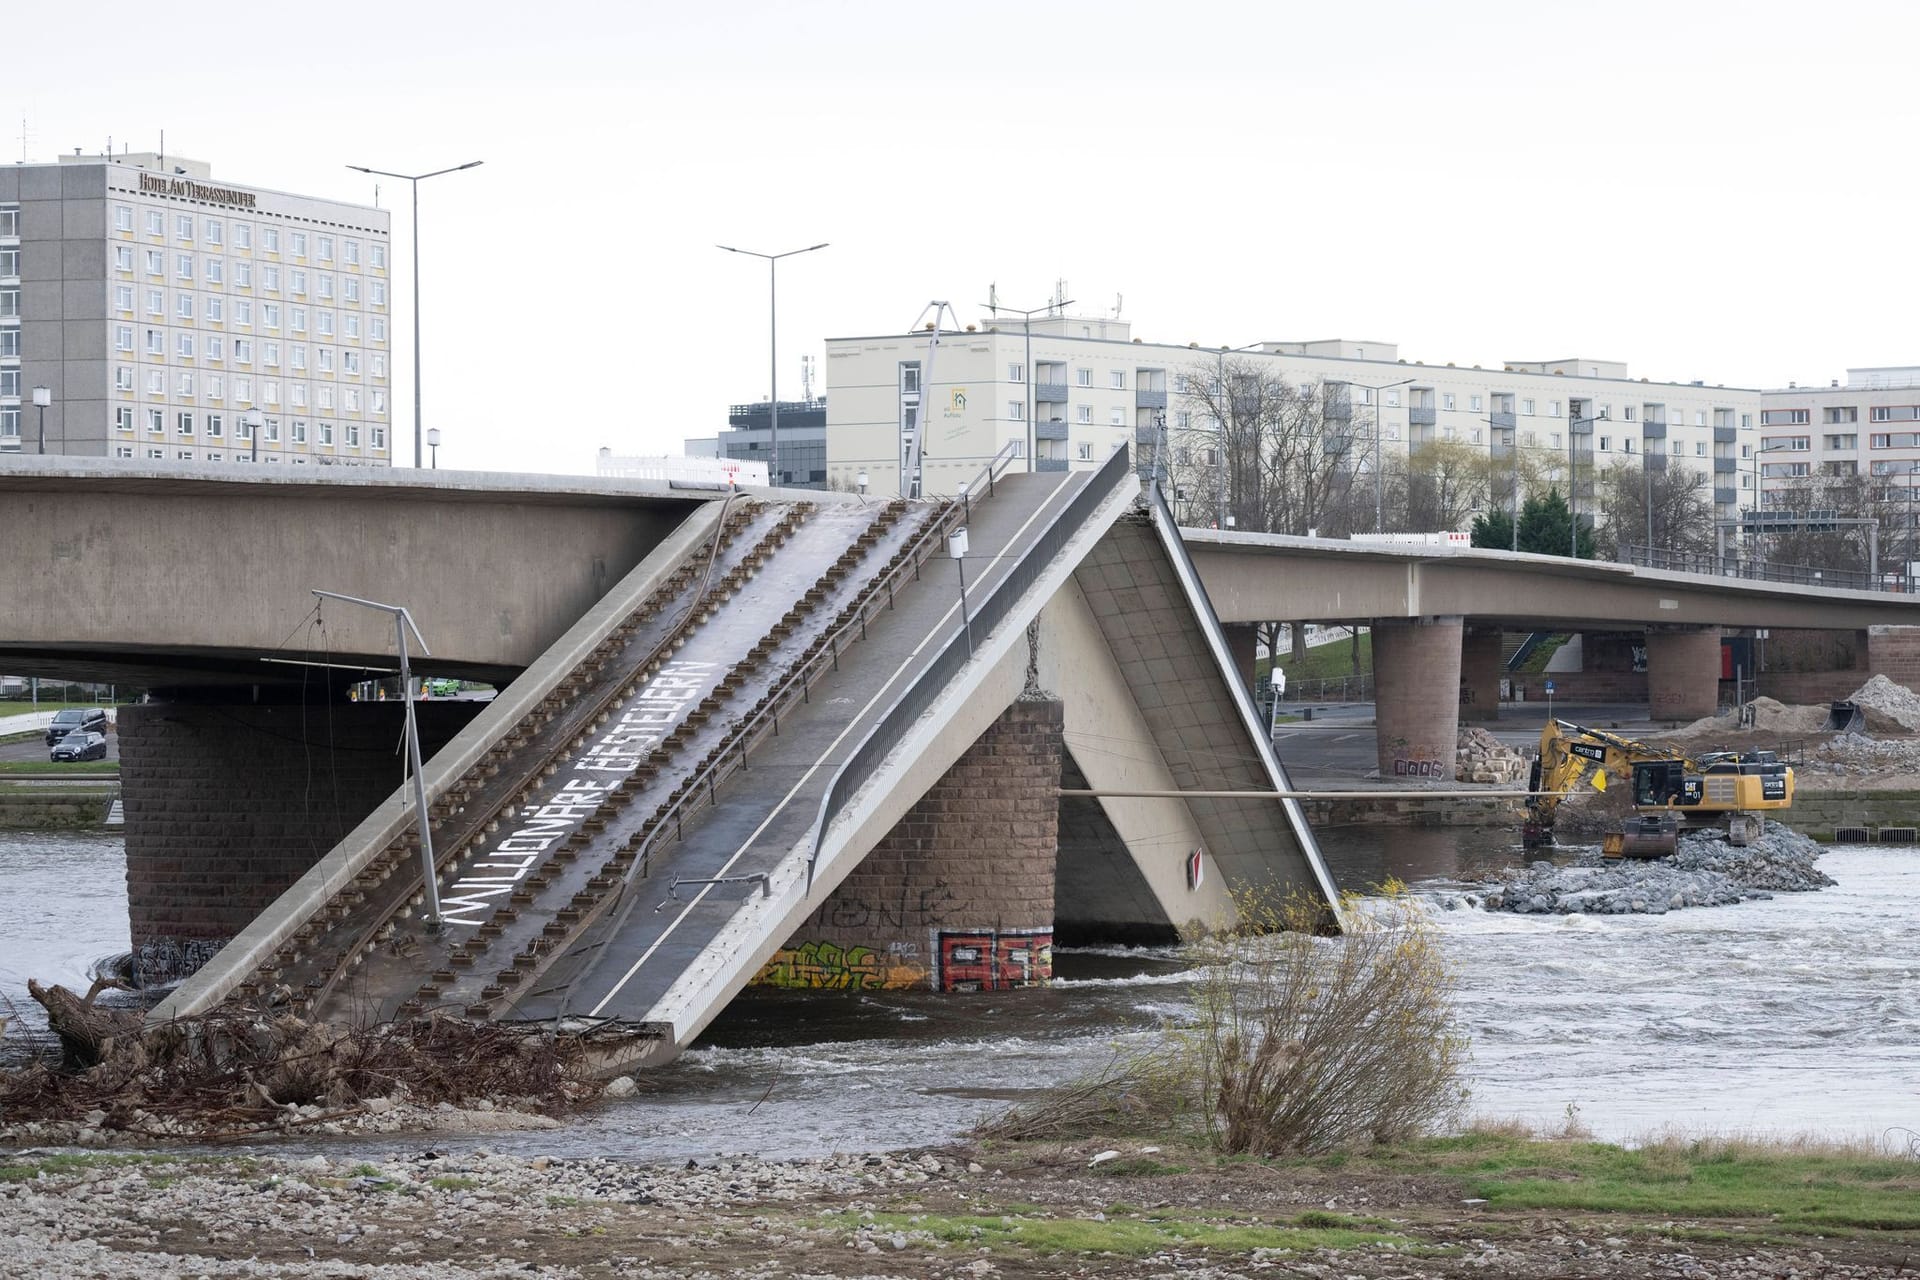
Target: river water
[(1799, 1014)]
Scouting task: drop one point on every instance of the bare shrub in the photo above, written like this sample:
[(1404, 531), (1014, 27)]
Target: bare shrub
[(1304, 1043), (1131, 1093)]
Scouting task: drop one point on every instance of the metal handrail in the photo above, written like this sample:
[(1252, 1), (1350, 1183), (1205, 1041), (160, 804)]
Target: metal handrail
[(913, 702), (1891, 581)]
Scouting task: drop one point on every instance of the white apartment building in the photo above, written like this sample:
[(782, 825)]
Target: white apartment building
[(1870, 425), (1076, 388), (148, 312)]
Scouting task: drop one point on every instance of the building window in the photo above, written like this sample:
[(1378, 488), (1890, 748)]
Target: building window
[(377, 256), (377, 295), (270, 315), (243, 275), (1526, 407), (123, 417), (216, 310), (1116, 417), (123, 451), (1795, 417), (123, 257), (216, 272), (243, 351), (270, 239), (1606, 444), (326, 434), (1086, 453), (155, 455), (1840, 413), (299, 244), (184, 424), (216, 426), (156, 302), (1118, 377), (273, 431), (156, 263), (299, 433), (183, 306), (379, 365), (270, 279), (1084, 413), (212, 232), (156, 342), (1016, 372), (352, 323), (298, 356), (243, 235), (326, 323), (323, 397), (183, 345), (377, 329), (378, 403), (350, 252), (243, 313), (185, 383), (353, 435), (326, 359), (349, 288), (156, 422), (216, 387), (156, 223), (183, 227), (1475, 402), (123, 217), (350, 363), (1083, 377), (1446, 400), (123, 337), (326, 248), (183, 265)]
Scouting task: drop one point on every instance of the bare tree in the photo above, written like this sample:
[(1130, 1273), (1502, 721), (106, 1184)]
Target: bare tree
[(1681, 498), (1275, 456)]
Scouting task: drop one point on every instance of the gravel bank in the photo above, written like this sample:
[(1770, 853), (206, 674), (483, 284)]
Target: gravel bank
[(432, 1218), (1706, 872)]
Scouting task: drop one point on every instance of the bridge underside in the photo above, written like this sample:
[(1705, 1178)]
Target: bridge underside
[(775, 752)]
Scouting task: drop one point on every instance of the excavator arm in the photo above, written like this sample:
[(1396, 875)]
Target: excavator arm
[(1571, 754)]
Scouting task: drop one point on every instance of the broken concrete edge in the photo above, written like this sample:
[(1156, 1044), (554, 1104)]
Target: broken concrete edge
[(259, 940), (1237, 692), (764, 924)]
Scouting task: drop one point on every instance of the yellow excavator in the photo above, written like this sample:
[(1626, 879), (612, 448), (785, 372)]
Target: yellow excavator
[(1729, 789)]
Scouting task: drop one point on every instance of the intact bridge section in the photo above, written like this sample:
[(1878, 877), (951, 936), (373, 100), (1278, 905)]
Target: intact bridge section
[(789, 747)]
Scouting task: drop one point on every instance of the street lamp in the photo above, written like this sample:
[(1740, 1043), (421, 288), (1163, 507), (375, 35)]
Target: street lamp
[(42, 397), (773, 350), (253, 420), (1573, 481), (416, 179), (1379, 473), (1757, 492), (433, 443), (1026, 321), (957, 548), (861, 480)]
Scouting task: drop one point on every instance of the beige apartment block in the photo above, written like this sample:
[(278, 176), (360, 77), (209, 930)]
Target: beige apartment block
[(1867, 426), (157, 309), (1068, 393)]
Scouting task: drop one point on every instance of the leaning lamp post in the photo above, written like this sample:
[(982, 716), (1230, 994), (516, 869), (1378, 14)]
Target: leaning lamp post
[(403, 623)]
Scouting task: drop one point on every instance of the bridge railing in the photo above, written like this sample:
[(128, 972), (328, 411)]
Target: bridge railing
[(989, 613), (1805, 575)]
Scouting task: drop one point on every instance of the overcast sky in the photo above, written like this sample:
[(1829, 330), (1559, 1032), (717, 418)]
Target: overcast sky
[(1705, 190)]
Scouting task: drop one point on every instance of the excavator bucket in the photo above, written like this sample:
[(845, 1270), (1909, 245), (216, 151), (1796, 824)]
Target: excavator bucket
[(1845, 717), (1650, 835)]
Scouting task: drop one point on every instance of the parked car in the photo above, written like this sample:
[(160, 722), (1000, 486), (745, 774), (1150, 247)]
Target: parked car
[(81, 744), (92, 719)]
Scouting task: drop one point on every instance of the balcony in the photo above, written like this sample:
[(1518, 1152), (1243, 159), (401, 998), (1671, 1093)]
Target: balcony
[(1654, 461), (1725, 497), (1725, 435), (1144, 399), (1050, 392), (1049, 464), (1338, 445), (1501, 421), (1725, 466), (1653, 430), (1581, 426), (1339, 407), (1419, 416), (1055, 430), (1146, 435)]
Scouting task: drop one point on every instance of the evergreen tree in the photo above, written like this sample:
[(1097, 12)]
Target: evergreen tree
[(1544, 524), (1494, 530)]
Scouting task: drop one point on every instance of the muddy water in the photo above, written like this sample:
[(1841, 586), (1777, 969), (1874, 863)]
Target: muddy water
[(1798, 1014)]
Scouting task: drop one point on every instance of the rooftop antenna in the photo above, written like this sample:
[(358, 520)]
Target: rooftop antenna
[(26, 135), (993, 299), (1118, 298), (806, 377), (1060, 293)]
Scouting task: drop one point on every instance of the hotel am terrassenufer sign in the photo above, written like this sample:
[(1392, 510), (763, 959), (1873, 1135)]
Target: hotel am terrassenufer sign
[(157, 185)]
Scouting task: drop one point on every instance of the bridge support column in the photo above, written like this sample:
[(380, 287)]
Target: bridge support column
[(228, 805), (959, 895), (1243, 642), (1683, 672), (1416, 694), (1481, 668)]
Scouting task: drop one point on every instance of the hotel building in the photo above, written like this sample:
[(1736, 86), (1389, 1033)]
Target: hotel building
[(162, 315)]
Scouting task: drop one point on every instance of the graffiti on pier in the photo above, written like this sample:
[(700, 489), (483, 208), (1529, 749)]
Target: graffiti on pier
[(908, 909), (826, 966), (994, 959)]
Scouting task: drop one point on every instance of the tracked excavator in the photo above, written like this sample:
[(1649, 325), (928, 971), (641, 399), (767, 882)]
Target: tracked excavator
[(1733, 790)]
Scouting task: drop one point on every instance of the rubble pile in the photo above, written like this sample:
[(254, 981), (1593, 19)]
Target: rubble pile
[(1857, 756), (1481, 757), (1890, 707), (1705, 872)]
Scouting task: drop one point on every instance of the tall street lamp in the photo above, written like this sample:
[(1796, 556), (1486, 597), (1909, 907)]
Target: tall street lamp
[(1379, 472), (416, 179), (1026, 321), (1220, 495), (42, 397), (773, 349), (1573, 482), (1757, 492)]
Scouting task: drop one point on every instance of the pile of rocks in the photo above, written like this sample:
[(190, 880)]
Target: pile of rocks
[(1890, 707), (1705, 872), (1857, 756), (1481, 757)]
